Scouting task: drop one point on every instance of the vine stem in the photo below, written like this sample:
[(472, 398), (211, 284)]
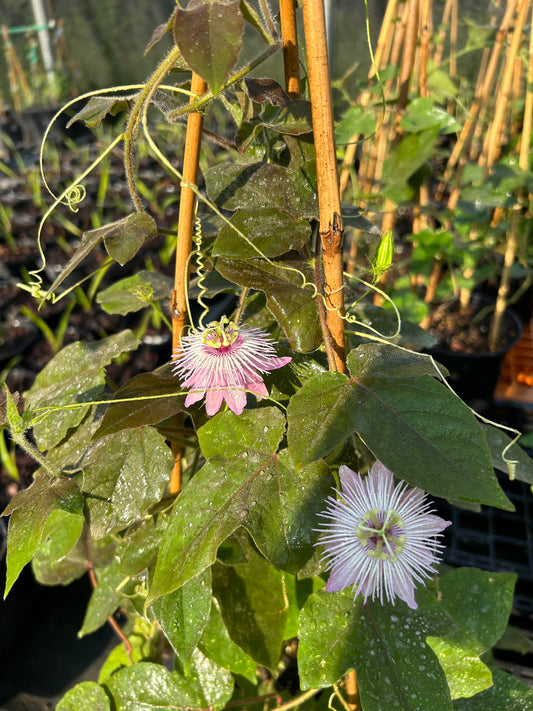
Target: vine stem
[(111, 620), (187, 212), (135, 119), (328, 185)]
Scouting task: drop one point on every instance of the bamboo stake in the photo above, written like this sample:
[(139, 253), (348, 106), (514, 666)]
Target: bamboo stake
[(289, 34), (408, 56), (328, 187), (381, 56), (442, 33), (477, 110), (179, 310), (492, 145), (512, 242), (425, 36)]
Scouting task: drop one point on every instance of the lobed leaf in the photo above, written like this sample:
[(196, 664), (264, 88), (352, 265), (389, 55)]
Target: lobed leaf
[(122, 238), (183, 615), (385, 644), (75, 375), (479, 603), (292, 305), (135, 293), (389, 399), (29, 511), (151, 687), (244, 482), (121, 416), (123, 475)]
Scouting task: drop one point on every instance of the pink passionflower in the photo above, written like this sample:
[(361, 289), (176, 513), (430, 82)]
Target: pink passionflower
[(379, 537), (223, 361)]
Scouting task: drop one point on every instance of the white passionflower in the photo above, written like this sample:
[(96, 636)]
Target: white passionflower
[(379, 538), (223, 362)]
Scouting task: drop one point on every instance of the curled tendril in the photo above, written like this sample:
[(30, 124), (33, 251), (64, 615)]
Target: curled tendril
[(34, 288), (200, 268), (75, 195)]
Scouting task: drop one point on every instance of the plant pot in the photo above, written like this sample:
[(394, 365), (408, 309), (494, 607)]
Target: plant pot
[(473, 375)]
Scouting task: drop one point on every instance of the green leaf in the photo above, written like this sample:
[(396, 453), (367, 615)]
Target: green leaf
[(269, 231), (422, 114), (10, 414), (104, 600), (135, 293), (355, 121), (479, 603), (410, 154), (216, 644), (209, 36), (136, 413), (75, 375), (29, 511), (292, 305), (385, 322), (252, 186), (253, 606), (507, 693), (293, 119), (98, 107), (161, 30), (244, 482), (150, 687), (252, 18), (391, 399), (385, 644), (61, 533), (183, 614), (86, 554), (122, 239), (87, 696), (142, 544), (123, 475)]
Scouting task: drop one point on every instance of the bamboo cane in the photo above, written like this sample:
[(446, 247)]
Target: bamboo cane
[(492, 145), (328, 187), (289, 34), (512, 242), (179, 310), (381, 56)]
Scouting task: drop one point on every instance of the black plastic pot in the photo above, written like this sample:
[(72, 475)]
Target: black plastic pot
[(473, 376)]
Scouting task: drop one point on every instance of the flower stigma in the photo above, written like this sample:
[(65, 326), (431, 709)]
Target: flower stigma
[(220, 334), (382, 534)]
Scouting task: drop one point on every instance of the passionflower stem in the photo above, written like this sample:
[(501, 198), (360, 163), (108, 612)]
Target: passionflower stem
[(191, 159)]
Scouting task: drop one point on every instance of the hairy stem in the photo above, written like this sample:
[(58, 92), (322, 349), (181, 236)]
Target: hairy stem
[(135, 119), (198, 104)]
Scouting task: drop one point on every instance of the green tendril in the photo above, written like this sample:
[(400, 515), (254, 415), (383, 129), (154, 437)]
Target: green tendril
[(200, 268)]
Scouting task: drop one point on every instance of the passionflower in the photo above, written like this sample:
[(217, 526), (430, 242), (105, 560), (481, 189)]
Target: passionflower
[(379, 538), (224, 361)]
